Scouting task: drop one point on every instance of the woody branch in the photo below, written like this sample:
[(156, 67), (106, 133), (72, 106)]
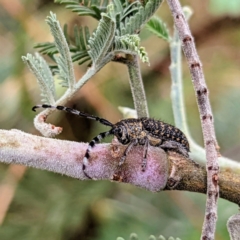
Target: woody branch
[(206, 117), (164, 172)]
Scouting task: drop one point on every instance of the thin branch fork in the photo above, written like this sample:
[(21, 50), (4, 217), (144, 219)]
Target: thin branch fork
[(164, 171), (206, 116)]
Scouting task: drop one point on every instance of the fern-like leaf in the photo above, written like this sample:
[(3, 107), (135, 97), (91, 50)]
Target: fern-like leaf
[(40, 69), (124, 9), (130, 9), (80, 41), (158, 27), (130, 44), (101, 40), (64, 61), (133, 24), (78, 47), (47, 48), (81, 38), (92, 8)]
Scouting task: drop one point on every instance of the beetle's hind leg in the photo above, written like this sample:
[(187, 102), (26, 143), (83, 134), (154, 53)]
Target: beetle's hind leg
[(175, 146)]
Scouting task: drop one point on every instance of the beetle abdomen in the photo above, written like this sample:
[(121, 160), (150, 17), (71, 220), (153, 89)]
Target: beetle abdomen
[(164, 131)]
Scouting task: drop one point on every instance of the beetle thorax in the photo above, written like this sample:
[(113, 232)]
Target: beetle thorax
[(128, 130), (134, 129)]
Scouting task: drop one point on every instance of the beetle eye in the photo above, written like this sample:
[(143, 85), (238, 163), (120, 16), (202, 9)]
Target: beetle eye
[(120, 132)]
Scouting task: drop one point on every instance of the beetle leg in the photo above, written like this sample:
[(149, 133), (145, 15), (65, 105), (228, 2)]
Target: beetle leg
[(145, 152), (127, 150), (168, 145)]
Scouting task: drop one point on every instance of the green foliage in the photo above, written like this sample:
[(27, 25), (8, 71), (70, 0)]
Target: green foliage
[(130, 44), (81, 37), (101, 40), (78, 45), (64, 69), (133, 24), (92, 8), (117, 22), (125, 9), (158, 27), (64, 61), (47, 48), (40, 69)]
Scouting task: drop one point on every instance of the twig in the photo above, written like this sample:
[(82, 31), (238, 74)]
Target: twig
[(197, 152), (233, 226), (136, 84), (65, 157), (205, 115), (177, 86)]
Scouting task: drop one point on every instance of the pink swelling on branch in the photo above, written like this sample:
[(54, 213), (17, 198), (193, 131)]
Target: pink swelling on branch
[(66, 158)]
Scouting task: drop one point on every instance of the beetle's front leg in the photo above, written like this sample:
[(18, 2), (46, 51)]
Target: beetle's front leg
[(127, 150)]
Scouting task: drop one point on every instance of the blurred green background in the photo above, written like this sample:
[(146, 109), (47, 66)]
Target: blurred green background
[(37, 204)]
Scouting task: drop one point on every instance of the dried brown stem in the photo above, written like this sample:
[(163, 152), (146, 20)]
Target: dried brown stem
[(193, 178), (206, 116)]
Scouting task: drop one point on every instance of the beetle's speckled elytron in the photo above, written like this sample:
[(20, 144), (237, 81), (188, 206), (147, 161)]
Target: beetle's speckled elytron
[(134, 131)]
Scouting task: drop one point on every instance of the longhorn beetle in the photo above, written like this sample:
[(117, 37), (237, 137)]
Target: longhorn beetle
[(134, 131)]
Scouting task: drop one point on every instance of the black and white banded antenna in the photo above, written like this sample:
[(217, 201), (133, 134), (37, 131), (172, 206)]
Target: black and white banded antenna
[(95, 140)]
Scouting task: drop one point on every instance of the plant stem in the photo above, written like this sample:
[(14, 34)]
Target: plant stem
[(177, 88), (136, 84), (65, 158), (206, 116), (197, 152), (233, 226)]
